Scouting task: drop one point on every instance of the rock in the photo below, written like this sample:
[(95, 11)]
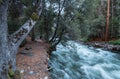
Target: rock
[(29, 67), (104, 45), (31, 72), (48, 58), (28, 48), (25, 52), (17, 75), (24, 77), (46, 77), (22, 71), (49, 68)]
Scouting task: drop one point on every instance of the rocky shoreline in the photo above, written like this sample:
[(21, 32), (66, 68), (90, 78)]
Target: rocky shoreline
[(105, 45)]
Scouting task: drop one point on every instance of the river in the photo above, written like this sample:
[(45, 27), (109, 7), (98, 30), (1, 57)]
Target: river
[(77, 61)]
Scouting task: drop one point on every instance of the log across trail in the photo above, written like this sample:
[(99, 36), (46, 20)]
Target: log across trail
[(34, 63)]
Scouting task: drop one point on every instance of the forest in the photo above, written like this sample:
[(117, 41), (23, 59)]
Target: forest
[(81, 39)]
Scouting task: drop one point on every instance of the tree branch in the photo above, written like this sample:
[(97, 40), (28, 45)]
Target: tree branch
[(60, 38), (58, 19), (53, 47)]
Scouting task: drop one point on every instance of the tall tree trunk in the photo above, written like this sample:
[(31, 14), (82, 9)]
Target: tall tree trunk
[(107, 21), (4, 44), (112, 32)]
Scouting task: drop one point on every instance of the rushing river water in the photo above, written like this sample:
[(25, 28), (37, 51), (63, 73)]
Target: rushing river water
[(77, 61)]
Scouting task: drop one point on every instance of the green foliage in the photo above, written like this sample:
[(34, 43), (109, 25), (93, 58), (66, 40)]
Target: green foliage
[(15, 9), (1, 1), (84, 39), (116, 42), (29, 10), (114, 21), (81, 19), (13, 25), (27, 2)]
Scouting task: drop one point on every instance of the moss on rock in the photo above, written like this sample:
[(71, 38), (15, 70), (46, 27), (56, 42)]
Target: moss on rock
[(11, 73), (35, 16)]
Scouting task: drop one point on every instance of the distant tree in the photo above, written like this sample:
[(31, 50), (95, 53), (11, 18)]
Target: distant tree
[(107, 20)]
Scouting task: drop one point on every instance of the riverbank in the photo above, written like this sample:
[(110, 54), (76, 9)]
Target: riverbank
[(105, 45), (32, 60)]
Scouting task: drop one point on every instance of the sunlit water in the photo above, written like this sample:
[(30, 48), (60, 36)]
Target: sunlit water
[(77, 61)]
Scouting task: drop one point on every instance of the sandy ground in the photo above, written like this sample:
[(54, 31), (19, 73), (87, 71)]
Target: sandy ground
[(35, 66)]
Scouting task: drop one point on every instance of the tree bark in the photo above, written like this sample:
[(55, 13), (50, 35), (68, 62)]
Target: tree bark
[(112, 16), (107, 20), (33, 34), (4, 45)]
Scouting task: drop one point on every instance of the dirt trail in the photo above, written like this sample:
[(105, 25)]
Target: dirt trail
[(34, 66)]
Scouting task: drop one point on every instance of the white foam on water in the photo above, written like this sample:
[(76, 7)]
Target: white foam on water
[(77, 61)]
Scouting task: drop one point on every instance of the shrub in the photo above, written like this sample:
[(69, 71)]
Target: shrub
[(115, 42)]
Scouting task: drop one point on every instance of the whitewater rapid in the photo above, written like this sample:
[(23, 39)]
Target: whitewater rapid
[(77, 61)]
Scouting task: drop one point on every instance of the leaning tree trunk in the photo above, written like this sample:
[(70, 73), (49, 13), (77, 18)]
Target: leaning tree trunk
[(9, 44)]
